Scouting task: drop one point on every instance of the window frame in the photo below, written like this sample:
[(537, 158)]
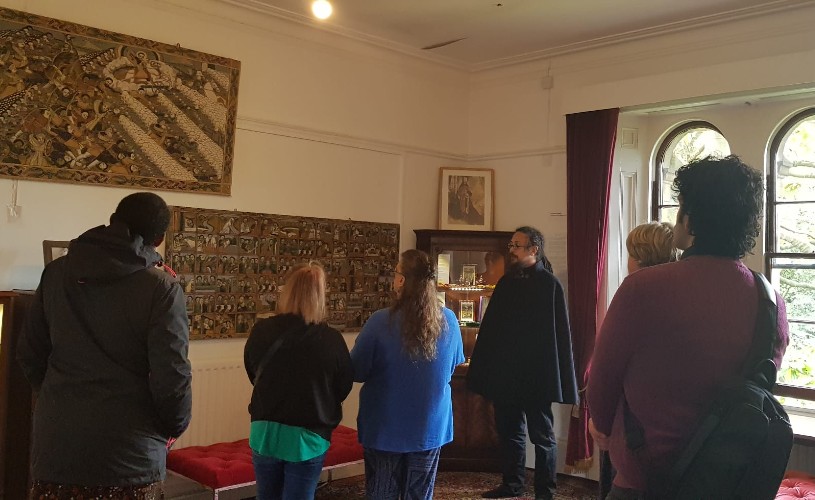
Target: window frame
[(659, 158), (770, 254)]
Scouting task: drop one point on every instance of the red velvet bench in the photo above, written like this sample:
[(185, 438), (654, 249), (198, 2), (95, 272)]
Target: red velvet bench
[(795, 486), (226, 468)]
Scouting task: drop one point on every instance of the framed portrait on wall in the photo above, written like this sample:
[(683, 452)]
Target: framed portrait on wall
[(466, 198)]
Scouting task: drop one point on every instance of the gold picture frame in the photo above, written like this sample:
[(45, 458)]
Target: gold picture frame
[(466, 198), (466, 311)]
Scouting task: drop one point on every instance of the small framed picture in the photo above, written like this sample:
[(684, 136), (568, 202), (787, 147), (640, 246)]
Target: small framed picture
[(468, 274), (466, 198), (52, 250), (466, 311), (482, 308)]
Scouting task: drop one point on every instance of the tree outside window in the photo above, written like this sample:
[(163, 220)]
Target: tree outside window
[(791, 249)]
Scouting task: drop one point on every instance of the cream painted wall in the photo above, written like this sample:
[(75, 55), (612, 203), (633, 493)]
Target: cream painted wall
[(324, 130), (330, 127)]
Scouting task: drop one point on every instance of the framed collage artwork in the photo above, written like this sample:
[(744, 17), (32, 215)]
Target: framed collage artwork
[(232, 266), (83, 105)]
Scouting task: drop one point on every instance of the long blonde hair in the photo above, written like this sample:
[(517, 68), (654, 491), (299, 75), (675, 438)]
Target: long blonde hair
[(422, 320), (304, 293)]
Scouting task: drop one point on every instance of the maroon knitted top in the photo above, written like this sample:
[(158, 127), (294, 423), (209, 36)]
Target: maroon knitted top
[(674, 333)]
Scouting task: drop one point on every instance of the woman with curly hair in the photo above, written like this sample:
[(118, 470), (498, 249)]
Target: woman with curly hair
[(405, 356), (677, 333)]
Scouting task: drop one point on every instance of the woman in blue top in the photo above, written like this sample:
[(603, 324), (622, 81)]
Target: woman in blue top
[(405, 355)]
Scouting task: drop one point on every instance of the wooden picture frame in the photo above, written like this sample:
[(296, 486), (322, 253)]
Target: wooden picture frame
[(233, 265), (466, 198), (83, 105), (52, 250)]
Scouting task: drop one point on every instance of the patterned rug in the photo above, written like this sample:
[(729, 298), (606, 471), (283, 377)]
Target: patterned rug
[(462, 485)]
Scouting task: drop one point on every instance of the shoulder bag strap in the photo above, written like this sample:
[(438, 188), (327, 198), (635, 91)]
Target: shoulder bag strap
[(755, 367), (765, 336), (272, 350), (758, 367)]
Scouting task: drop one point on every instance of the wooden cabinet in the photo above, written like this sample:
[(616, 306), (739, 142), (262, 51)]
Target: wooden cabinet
[(15, 400), (468, 264)]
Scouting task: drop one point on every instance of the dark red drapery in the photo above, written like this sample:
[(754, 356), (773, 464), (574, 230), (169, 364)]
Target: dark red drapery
[(590, 139)]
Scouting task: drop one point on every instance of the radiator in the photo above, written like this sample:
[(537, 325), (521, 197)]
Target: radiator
[(802, 459), (220, 395)]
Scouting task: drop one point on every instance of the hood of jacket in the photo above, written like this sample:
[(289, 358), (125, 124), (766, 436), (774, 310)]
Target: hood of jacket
[(108, 253)]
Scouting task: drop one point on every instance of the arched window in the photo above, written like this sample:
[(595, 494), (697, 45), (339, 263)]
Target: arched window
[(685, 143), (790, 239)]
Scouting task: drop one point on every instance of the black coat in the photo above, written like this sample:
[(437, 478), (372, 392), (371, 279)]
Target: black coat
[(105, 345), (524, 349), (305, 381)]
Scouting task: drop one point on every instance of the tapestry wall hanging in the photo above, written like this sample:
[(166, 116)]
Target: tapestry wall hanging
[(85, 105), (232, 266)]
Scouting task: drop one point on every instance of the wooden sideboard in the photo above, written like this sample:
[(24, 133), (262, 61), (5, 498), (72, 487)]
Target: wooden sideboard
[(475, 444), (16, 402)]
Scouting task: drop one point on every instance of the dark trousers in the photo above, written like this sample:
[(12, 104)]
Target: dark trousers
[(607, 473), (618, 493), (511, 423), (405, 476)]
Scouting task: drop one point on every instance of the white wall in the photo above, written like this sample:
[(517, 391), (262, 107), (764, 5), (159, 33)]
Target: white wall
[(330, 127), (327, 127), (512, 114)]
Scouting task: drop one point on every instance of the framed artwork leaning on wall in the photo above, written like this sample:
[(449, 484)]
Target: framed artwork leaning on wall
[(466, 198), (52, 250)]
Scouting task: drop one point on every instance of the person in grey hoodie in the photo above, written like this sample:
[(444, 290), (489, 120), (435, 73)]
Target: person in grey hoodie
[(105, 349)]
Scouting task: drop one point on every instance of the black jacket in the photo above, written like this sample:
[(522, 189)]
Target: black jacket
[(307, 378), (524, 349), (108, 398)]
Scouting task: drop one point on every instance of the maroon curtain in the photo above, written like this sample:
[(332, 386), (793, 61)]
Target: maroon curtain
[(590, 139)]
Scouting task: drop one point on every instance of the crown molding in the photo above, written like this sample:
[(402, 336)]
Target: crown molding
[(260, 125), (634, 35), (777, 6)]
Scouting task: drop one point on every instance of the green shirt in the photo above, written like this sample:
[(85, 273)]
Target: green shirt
[(285, 442)]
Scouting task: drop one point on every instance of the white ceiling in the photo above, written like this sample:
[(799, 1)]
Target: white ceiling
[(516, 28)]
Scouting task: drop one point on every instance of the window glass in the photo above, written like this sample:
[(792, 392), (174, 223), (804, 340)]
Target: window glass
[(688, 142), (791, 246)]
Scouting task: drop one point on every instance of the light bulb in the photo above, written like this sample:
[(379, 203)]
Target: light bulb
[(321, 9)]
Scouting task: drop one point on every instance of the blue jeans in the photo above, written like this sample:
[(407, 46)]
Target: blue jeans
[(281, 480), (405, 476)]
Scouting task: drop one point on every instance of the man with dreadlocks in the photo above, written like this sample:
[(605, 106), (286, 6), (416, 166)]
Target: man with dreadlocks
[(522, 362)]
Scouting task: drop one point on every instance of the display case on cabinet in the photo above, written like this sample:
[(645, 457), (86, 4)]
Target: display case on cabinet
[(468, 265)]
